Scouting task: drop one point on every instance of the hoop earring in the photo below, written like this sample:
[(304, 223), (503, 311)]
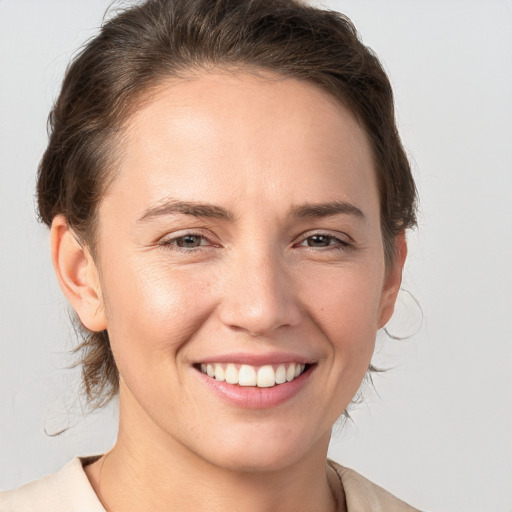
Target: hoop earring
[(409, 315)]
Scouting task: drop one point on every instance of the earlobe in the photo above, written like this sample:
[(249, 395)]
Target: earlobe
[(77, 275), (393, 280)]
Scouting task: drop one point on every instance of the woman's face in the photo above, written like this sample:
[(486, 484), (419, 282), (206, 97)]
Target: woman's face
[(241, 237)]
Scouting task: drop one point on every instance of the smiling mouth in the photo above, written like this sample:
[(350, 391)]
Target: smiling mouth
[(266, 376)]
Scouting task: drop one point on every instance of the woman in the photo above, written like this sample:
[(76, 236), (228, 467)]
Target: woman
[(228, 199)]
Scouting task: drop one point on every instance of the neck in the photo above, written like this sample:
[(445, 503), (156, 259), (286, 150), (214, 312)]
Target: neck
[(148, 471)]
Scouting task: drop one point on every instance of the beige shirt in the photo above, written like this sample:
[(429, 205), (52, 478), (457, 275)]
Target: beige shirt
[(69, 490)]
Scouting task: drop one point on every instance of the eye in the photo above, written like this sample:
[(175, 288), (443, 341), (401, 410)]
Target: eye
[(322, 240), (319, 240), (186, 243), (189, 241)]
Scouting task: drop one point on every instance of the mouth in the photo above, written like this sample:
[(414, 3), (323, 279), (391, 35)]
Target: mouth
[(245, 375)]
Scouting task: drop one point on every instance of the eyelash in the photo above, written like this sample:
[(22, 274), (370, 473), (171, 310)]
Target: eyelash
[(170, 244), (339, 244)]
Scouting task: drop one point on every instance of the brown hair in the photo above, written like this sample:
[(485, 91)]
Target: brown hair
[(145, 44)]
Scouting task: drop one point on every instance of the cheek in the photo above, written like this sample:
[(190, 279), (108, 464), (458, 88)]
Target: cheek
[(345, 304), (352, 291), (152, 310)]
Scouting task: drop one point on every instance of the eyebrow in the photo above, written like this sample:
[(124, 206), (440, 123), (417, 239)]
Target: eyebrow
[(173, 206), (318, 210), (195, 209)]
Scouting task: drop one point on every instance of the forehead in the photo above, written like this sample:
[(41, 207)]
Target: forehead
[(244, 138)]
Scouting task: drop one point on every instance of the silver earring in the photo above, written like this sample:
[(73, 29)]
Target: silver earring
[(407, 318)]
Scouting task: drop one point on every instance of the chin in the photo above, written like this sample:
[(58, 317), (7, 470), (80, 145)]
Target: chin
[(263, 451), (255, 461)]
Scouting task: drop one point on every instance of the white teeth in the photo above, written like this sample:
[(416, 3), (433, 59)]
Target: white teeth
[(281, 374), (219, 372), (247, 376), (265, 376), (231, 374)]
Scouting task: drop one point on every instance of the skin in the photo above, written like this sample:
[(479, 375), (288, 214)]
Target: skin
[(256, 146)]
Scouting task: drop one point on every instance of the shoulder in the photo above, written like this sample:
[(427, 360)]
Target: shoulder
[(67, 490), (361, 494)]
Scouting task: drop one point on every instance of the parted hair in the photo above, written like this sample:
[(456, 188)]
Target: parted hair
[(141, 46)]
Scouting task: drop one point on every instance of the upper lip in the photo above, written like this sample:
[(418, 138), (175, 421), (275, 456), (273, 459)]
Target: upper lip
[(257, 359)]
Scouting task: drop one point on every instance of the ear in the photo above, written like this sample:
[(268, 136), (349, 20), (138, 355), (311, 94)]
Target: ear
[(393, 280), (77, 275)]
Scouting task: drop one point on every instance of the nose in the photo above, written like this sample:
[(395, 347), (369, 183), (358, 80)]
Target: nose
[(259, 294)]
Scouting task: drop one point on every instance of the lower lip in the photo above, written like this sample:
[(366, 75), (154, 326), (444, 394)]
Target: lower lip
[(252, 397)]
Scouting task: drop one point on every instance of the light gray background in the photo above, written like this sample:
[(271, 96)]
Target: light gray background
[(439, 432)]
